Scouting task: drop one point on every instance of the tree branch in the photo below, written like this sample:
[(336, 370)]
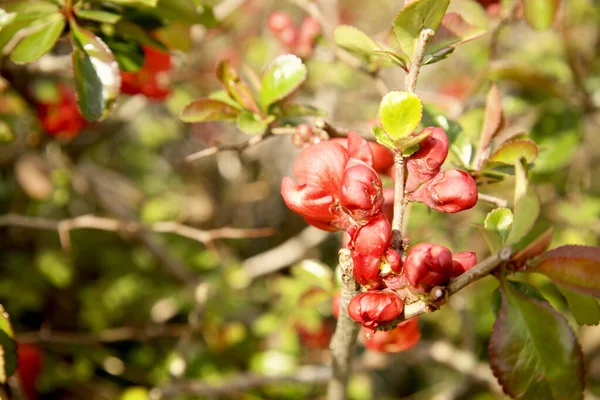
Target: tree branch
[(239, 147)]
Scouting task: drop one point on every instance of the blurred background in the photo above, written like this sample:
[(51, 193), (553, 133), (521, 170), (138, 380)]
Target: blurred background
[(192, 280)]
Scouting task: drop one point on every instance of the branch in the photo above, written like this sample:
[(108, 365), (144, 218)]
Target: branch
[(493, 200), (239, 147), (344, 339), (413, 72), (399, 203), (63, 227)]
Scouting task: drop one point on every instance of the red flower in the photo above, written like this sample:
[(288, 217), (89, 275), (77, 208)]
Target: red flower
[(326, 195), (152, 78), (61, 118), (449, 191), (428, 265), (369, 243), (29, 366), (315, 338), (380, 157), (462, 262), (371, 308), (426, 162), (403, 337)]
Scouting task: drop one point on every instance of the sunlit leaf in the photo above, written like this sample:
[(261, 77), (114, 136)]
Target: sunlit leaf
[(540, 14), (11, 23), (238, 89), (40, 42), (577, 267), (533, 351), (281, 78), (97, 77), (400, 113), (413, 18), (104, 17), (148, 3), (382, 137), (511, 152), (527, 206), (301, 110), (202, 110), (499, 220), (250, 123)]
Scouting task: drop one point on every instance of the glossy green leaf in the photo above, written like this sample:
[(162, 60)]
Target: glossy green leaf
[(234, 85), (413, 18), (104, 17), (400, 114), (40, 42), (202, 110), (499, 220), (584, 307), (577, 267), (511, 152), (533, 351), (97, 77), (11, 23), (250, 123), (281, 78), (453, 31), (540, 14), (526, 208), (314, 273)]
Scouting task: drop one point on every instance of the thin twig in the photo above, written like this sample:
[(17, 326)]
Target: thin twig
[(493, 200), (346, 331), (239, 147), (415, 66), (399, 203)]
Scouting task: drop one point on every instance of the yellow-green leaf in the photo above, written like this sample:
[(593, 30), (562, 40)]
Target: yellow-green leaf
[(281, 78), (527, 206), (400, 113), (540, 13)]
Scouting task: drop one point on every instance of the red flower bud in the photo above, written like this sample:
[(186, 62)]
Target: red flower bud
[(428, 265), (462, 262), (403, 337), (366, 269), (361, 192), (426, 162), (309, 31), (278, 21), (371, 308), (374, 237), (393, 259), (449, 191)]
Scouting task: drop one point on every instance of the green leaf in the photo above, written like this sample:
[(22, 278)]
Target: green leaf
[(363, 47), (5, 325), (8, 347), (104, 17), (540, 14), (281, 78), (223, 96), (533, 351), (202, 110), (500, 221), (453, 31), (135, 393), (406, 143), (527, 206), (314, 273), (250, 123), (128, 53), (511, 152), (6, 133), (418, 15), (584, 307), (40, 42), (97, 77), (12, 23), (577, 267), (400, 113), (147, 3), (382, 137), (238, 89), (301, 110), (128, 30)]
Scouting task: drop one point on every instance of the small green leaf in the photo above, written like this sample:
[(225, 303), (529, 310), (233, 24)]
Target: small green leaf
[(104, 17), (540, 14), (147, 3), (97, 77), (202, 110), (362, 46), (577, 267), (281, 78), (238, 89), (400, 113), (314, 273), (142, 36), (453, 31), (527, 206), (40, 42), (382, 137), (533, 351), (418, 15), (11, 23), (584, 307), (250, 123), (224, 97), (511, 152), (301, 110), (500, 221), (396, 57)]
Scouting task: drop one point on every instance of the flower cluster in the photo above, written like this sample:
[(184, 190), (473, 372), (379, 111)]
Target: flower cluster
[(152, 79), (61, 117), (300, 41), (339, 188)]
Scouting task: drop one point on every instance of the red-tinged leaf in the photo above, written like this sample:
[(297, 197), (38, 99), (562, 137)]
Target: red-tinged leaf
[(512, 152), (533, 249), (526, 208), (236, 87), (453, 30), (492, 123), (577, 267), (203, 110), (540, 14), (533, 351)]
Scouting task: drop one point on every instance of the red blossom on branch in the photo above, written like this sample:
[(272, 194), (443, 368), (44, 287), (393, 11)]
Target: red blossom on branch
[(449, 191), (372, 308)]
